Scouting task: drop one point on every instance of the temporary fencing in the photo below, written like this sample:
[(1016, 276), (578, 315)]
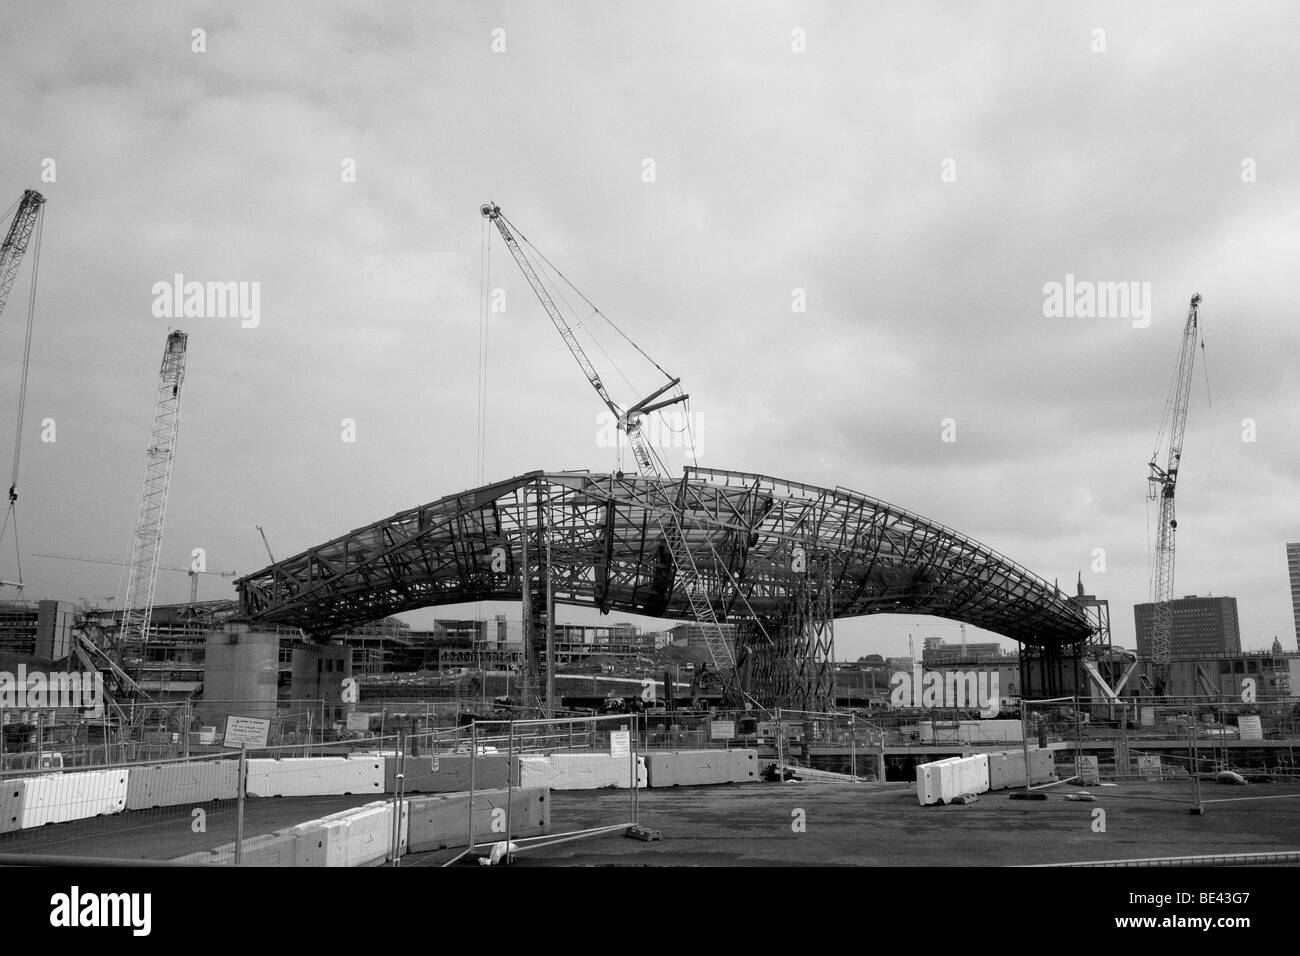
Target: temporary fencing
[(138, 811), (541, 756)]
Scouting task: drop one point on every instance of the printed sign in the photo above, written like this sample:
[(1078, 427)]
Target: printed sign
[(1250, 728), (722, 729), (246, 731), (358, 721), (1149, 768), (620, 743), (1087, 770)]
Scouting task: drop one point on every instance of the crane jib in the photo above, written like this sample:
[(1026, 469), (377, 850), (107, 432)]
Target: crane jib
[(686, 574), (1163, 557)]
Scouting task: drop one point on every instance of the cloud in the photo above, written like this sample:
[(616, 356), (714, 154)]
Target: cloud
[(776, 171)]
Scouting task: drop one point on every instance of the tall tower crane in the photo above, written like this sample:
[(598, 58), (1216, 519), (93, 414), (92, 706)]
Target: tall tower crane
[(146, 539), (1160, 487), (26, 221), (687, 578), (16, 241)]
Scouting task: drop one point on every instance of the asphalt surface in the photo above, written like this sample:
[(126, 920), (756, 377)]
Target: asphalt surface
[(790, 824)]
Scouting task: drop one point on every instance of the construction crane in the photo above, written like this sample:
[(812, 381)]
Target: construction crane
[(25, 222), (1162, 482), (16, 241), (687, 577), (266, 544), (194, 575), (146, 539)]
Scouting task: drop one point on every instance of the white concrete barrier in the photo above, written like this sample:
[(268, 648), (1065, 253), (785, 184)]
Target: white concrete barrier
[(315, 776), (690, 768), (60, 797), (934, 781), (172, 784), (941, 780), (1007, 768), (579, 771), (12, 795), (973, 774), (442, 821), (358, 837)]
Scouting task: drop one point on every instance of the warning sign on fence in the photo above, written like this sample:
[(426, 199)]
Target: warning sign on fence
[(722, 729), (620, 743), (1249, 727), (247, 731)]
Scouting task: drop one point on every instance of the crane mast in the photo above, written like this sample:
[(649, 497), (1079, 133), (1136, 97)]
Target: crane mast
[(146, 539), (687, 577), (16, 241), (1162, 482)]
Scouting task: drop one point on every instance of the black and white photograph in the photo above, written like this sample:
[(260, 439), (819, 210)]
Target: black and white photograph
[(566, 435)]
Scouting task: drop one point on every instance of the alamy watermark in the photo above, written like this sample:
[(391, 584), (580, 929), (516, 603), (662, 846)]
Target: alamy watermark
[(976, 690), (1084, 299), (73, 909), (670, 428), (179, 299), (38, 690)]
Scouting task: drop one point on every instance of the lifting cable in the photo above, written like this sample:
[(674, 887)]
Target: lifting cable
[(719, 562), (485, 293), (480, 436), (659, 462), (11, 516), (1205, 367), (548, 277), (586, 300)]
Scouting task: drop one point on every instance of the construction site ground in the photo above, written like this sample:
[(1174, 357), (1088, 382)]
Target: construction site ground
[(810, 823)]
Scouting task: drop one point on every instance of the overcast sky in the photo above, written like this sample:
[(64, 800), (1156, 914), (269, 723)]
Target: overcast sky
[(921, 171)]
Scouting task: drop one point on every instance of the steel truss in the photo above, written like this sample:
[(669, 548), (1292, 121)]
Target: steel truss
[(781, 559)]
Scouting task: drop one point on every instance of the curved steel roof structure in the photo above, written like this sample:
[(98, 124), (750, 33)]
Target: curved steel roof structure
[(607, 550)]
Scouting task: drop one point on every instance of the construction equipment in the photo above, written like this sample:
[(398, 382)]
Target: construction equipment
[(266, 544), (1161, 486), (146, 539), (687, 577), (192, 572), (16, 241), (26, 221)]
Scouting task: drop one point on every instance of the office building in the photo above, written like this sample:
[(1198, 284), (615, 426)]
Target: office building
[(1200, 626)]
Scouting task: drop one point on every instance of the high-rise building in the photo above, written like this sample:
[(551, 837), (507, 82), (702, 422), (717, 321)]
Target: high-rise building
[(1293, 565), (1200, 625)]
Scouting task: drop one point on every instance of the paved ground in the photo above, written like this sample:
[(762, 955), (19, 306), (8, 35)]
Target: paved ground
[(867, 824), (752, 825)]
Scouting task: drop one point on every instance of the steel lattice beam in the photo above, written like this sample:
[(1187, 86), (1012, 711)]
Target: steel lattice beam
[(865, 557)]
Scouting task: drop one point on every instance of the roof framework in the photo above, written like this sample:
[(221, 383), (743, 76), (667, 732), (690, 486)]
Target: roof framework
[(606, 550)]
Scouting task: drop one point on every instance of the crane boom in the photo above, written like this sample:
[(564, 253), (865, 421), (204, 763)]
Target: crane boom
[(146, 539), (266, 544), (687, 577), (492, 212), (1162, 482), (16, 240)]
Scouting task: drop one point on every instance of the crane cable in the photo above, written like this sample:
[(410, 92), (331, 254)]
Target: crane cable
[(658, 459), (660, 465), (11, 516), (485, 292), (586, 300), (582, 325)]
